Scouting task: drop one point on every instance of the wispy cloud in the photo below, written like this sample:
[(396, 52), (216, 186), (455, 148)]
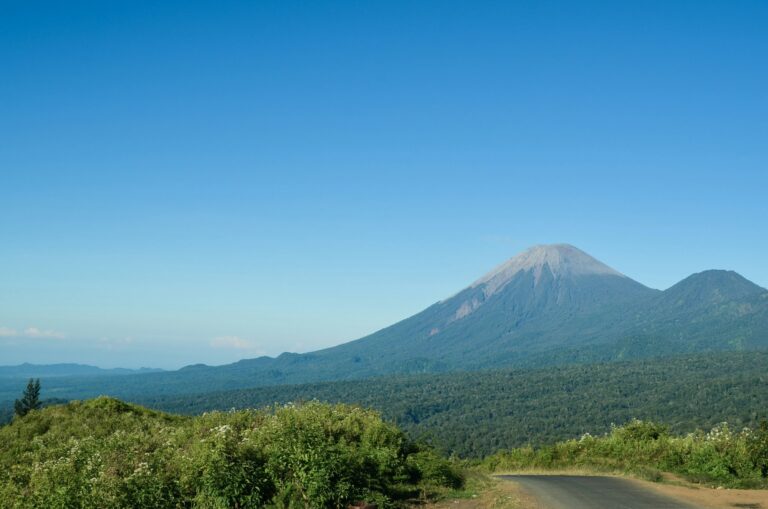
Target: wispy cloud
[(34, 332), (110, 343), (499, 239), (231, 342), (236, 343), (6, 332), (31, 333)]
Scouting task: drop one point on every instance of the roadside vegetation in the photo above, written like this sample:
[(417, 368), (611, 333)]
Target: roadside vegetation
[(721, 457), (107, 453)]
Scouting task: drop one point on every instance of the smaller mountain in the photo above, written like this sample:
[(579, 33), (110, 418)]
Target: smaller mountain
[(707, 289), (714, 310)]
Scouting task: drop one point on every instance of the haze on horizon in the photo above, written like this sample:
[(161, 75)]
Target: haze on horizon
[(190, 182)]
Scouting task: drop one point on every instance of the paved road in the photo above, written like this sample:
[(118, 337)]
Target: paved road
[(592, 492)]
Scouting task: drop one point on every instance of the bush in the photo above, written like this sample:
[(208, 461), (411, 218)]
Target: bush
[(757, 448), (328, 456), (640, 431), (106, 453), (431, 470)]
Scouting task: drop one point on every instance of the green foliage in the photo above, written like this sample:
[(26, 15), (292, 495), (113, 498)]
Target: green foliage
[(221, 467), (30, 400), (640, 431), (327, 455), (107, 453), (757, 448), (722, 456), (429, 469)]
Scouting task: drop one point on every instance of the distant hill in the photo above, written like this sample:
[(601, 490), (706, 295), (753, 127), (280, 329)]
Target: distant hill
[(65, 381), (27, 370), (550, 305)]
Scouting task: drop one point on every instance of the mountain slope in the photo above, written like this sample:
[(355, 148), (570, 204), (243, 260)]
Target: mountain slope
[(551, 304), (518, 308), (534, 301)]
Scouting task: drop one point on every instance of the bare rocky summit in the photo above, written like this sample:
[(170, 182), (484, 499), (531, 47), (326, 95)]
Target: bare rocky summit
[(560, 260)]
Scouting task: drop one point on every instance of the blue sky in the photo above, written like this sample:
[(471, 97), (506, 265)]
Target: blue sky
[(205, 181)]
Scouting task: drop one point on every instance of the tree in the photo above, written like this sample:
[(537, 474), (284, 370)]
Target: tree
[(30, 400)]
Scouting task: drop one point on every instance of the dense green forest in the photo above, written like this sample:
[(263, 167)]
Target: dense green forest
[(724, 456), (478, 413), (110, 454)]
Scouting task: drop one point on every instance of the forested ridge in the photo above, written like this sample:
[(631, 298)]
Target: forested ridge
[(474, 414)]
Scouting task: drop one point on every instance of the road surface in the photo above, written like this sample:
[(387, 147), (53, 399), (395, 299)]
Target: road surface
[(592, 492)]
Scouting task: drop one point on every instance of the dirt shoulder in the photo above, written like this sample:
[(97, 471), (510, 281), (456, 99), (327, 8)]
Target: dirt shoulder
[(710, 498), (495, 494)]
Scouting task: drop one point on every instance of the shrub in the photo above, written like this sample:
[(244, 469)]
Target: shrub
[(640, 431), (330, 455), (431, 470), (106, 453)]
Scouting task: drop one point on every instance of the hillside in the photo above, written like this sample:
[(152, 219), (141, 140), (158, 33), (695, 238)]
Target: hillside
[(478, 413)]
